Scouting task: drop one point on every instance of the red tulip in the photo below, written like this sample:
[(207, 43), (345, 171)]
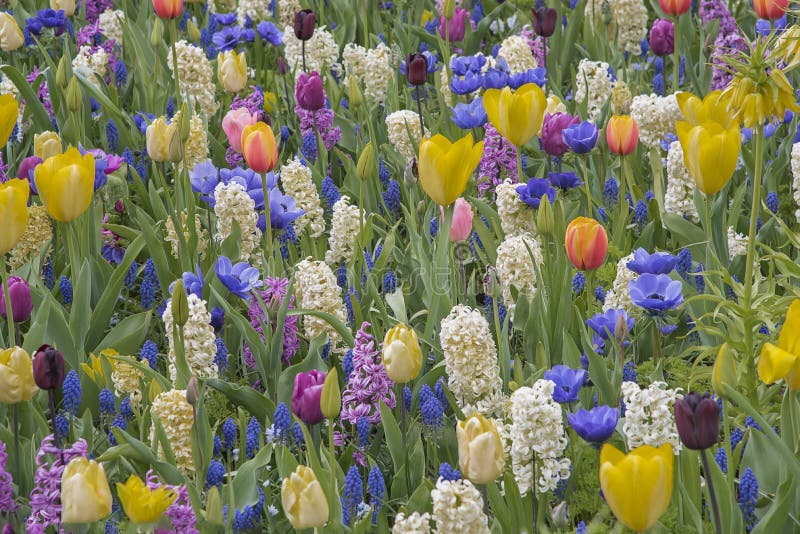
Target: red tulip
[(586, 243), (675, 7), (168, 9), (770, 9)]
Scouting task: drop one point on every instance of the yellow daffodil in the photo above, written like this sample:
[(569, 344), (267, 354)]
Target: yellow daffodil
[(16, 376), (637, 485), (232, 70), (517, 115), (445, 167), (85, 495), (94, 369), (66, 184), (142, 504), (9, 112), (710, 139), (13, 212), (782, 361), (480, 449)]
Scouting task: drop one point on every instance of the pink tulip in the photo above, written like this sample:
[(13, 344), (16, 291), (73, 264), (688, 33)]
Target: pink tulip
[(461, 226), (234, 122)]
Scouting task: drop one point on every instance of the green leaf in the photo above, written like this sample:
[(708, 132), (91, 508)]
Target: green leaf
[(394, 440), (127, 337), (254, 402), (80, 312), (777, 518), (32, 103), (245, 483), (332, 320)]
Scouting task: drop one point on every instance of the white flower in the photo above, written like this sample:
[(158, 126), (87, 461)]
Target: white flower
[(315, 288), (195, 76), (655, 115), (398, 125), (345, 226), (297, 182), (412, 524), (516, 257), (631, 18), (617, 298), (94, 62), (593, 84), (233, 204), (257, 10), (737, 244), (176, 415), (199, 348), (517, 53), (516, 217), (322, 51), (679, 198), (649, 418), (795, 167), (458, 508), (373, 67), (537, 430), (111, 24)]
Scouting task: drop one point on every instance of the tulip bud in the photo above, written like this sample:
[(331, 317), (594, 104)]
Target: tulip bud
[(586, 243), (544, 217), (605, 10), (85, 495), (192, 392), (184, 123), (678, 7), (724, 371), (331, 400), (769, 9), (180, 304), (621, 329), (366, 162), (402, 356), (48, 368), (303, 500), (304, 22), (259, 147), (283, 68), (193, 31), (622, 134), (16, 376), (21, 303), (232, 70), (157, 34), (697, 419), (560, 515), (74, 96), (354, 95), (544, 21), (308, 91), (68, 6), (61, 73), (662, 37), (214, 508), (461, 225), (416, 69), (480, 449), (448, 9), (154, 390)]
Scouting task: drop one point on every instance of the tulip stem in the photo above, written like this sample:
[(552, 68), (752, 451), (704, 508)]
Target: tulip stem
[(12, 338), (303, 45), (173, 38), (676, 59), (332, 460), (401, 401), (585, 167), (17, 464), (712, 495), (419, 112), (755, 207), (267, 224)]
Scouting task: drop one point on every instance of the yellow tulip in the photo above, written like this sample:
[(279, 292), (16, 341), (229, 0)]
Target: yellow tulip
[(303, 500), (232, 70), (164, 140), (480, 449), (141, 504), (637, 485), (46, 144), (67, 5), (66, 184), (782, 361), (11, 36), (445, 167), (712, 107), (402, 357), (555, 105), (517, 115), (9, 112), (13, 212), (16, 376), (85, 495), (710, 152)]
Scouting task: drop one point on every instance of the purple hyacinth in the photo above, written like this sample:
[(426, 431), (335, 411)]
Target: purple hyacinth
[(368, 383), (499, 161), (319, 121), (272, 297), (254, 102), (43, 93), (7, 503), (45, 498), (726, 44)]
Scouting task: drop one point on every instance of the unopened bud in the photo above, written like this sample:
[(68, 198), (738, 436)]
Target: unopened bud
[(621, 329), (48, 368), (185, 125), (544, 217), (448, 9), (61, 73), (366, 162), (560, 515), (193, 31), (180, 304), (74, 96), (330, 401), (214, 508), (354, 96), (157, 35), (724, 371), (192, 392)]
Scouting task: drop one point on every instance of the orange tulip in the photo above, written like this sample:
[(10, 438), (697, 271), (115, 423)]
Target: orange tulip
[(586, 243), (259, 147), (622, 134), (770, 9), (168, 9), (674, 7)]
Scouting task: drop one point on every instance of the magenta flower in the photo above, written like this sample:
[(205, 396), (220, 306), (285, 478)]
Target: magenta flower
[(306, 396), (552, 136)]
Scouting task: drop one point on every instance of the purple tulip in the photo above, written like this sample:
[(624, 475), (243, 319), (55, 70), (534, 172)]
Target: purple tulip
[(697, 419), (662, 37), (25, 171), (306, 396), (595, 425), (21, 303), (309, 92), (456, 26), (552, 136)]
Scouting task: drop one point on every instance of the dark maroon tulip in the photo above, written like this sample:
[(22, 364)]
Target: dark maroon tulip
[(697, 419), (662, 37), (309, 92), (48, 368), (544, 21), (304, 22), (283, 68), (416, 69), (21, 304), (306, 395)]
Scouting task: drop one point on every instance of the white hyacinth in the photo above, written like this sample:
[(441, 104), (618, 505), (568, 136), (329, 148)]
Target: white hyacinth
[(537, 430), (322, 52), (199, 348), (398, 125), (649, 418), (679, 197), (470, 358), (315, 289), (372, 67), (458, 508), (196, 76), (233, 204), (516, 257), (516, 217), (297, 182), (617, 298), (655, 115), (345, 225), (737, 244), (412, 524), (518, 55), (593, 84)]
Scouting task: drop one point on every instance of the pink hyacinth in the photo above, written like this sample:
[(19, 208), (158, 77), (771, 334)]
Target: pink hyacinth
[(368, 383)]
